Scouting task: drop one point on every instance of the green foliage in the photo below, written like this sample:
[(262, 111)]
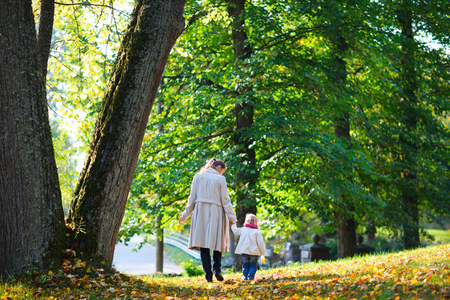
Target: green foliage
[(192, 269), (85, 42), (290, 79), (437, 236), (294, 85), (65, 155)]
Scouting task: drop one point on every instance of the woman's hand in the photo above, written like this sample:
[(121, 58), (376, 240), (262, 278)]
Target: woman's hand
[(180, 221)]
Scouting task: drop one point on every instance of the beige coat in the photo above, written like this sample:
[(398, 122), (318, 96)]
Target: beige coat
[(251, 241), (209, 204)]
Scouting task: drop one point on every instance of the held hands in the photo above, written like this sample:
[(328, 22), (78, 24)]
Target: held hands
[(178, 227)]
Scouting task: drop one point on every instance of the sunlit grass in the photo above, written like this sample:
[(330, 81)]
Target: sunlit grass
[(440, 236)]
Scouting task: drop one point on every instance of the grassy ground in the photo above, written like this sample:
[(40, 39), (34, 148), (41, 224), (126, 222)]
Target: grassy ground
[(417, 274), (439, 236)]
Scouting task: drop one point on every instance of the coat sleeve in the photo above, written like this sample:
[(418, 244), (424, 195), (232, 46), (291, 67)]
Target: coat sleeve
[(191, 200), (226, 202), (260, 242), (235, 229)]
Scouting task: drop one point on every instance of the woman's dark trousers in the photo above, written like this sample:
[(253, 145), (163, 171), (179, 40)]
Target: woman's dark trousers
[(206, 262)]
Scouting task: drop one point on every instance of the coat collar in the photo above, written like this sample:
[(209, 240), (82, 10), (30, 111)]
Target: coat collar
[(212, 171)]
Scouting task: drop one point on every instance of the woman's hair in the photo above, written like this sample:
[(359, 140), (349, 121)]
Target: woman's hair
[(251, 218), (213, 163)]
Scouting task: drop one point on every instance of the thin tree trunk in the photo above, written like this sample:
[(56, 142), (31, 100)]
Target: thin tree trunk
[(345, 235), (408, 140), (159, 245), (371, 230), (31, 214), (345, 224), (247, 173), (101, 194), (245, 201)]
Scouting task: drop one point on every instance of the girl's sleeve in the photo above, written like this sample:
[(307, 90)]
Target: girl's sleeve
[(191, 200), (226, 202), (260, 242), (235, 229)]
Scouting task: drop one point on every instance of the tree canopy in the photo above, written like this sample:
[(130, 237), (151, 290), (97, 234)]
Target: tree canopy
[(308, 67)]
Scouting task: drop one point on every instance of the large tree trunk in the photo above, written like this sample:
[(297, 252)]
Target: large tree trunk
[(101, 194), (31, 214), (408, 139)]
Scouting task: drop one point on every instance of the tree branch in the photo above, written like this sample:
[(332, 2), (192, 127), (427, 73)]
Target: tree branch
[(271, 154), (89, 4), (195, 17), (191, 140)]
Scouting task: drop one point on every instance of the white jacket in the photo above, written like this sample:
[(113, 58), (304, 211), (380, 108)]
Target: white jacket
[(251, 241)]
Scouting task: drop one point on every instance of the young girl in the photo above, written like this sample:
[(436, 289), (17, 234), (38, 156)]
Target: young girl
[(251, 245)]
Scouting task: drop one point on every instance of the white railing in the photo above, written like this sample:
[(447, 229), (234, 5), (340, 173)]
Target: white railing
[(181, 242)]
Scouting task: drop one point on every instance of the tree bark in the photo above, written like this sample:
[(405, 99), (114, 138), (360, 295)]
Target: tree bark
[(45, 33), (31, 214), (244, 111), (371, 230), (345, 224), (101, 194), (407, 139), (159, 243), (345, 235), (159, 246), (247, 174)]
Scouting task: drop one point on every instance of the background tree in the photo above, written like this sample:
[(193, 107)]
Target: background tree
[(305, 67), (416, 107), (284, 129)]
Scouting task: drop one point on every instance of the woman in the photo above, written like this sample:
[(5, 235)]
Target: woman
[(210, 206)]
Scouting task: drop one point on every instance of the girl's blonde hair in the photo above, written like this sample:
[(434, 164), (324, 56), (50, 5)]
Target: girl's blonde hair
[(251, 218), (213, 163)]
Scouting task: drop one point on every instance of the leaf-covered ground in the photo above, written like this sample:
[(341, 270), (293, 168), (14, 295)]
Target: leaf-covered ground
[(418, 274)]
